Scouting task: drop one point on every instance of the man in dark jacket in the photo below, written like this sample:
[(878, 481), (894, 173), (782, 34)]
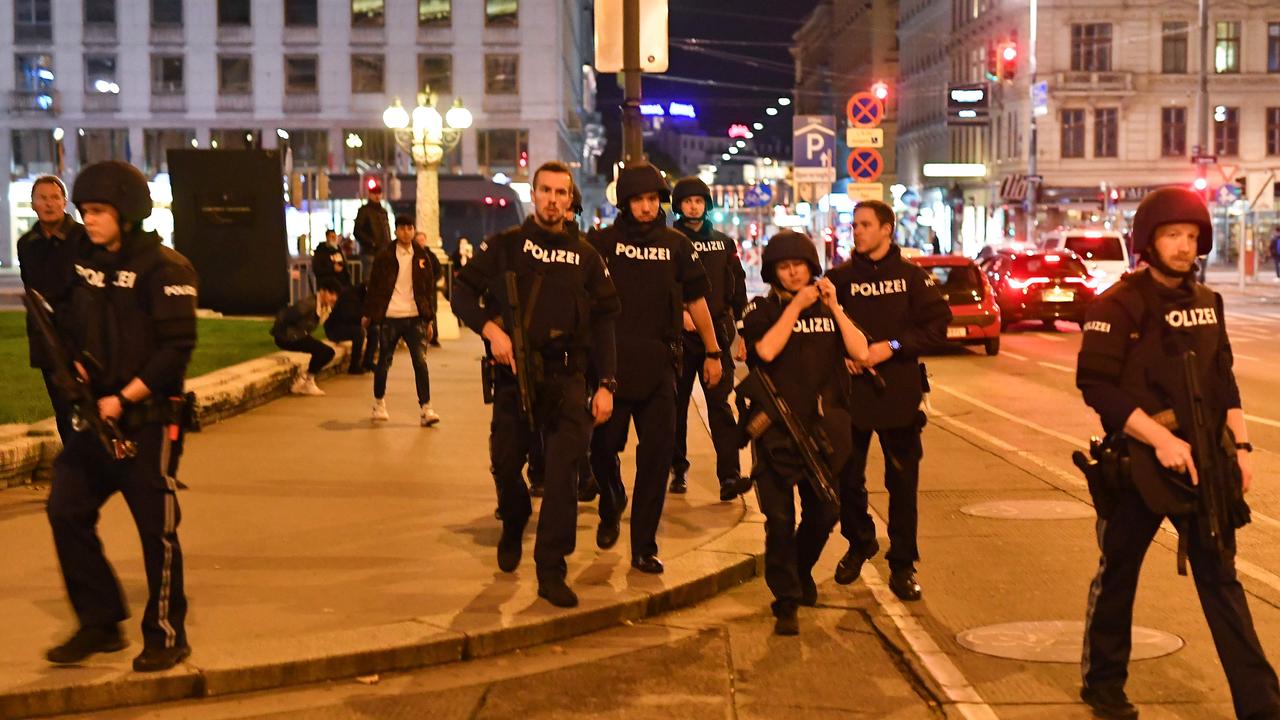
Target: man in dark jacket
[(898, 306), (344, 324), (46, 254), (692, 199), (292, 331), (329, 262), (372, 229), (401, 303)]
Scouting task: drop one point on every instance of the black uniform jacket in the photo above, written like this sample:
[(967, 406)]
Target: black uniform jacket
[(728, 296), (382, 283), (372, 228), (134, 312), (48, 267), (891, 299)]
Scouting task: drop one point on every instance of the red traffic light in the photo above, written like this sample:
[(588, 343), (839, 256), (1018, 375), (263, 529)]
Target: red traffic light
[(1200, 184), (488, 199), (371, 184), (1009, 53), (880, 90)]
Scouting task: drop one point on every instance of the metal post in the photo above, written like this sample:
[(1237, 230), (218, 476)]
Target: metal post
[(1202, 97), (632, 135), (1033, 187)]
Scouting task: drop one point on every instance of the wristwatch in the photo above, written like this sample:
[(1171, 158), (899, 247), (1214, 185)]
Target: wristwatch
[(714, 354), (1245, 446), (610, 384)]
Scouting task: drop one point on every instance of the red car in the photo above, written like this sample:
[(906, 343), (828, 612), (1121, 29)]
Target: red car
[(975, 316), (1044, 285)]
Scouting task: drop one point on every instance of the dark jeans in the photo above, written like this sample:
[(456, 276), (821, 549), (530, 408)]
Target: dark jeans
[(789, 551), (414, 332), (339, 332), (724, 429), (321, 353), (1124, 537), (84, 478), (61, 408), (902, 452)]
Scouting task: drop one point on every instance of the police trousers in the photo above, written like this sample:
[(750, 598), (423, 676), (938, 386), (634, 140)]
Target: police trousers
[(84, 478), (565, 435), (1123, 538), (790, 552), (655, 420), (902, 453), (724, 428)]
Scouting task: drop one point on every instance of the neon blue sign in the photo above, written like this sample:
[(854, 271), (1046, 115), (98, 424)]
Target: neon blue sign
[(651, 109), (677, 109)]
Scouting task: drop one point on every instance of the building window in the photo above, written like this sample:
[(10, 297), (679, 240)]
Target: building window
[(366, 73), (157, 144), (241, 139), (310, 148), (1273, 131), (1105, 132), (434, 12), (1173, 132), (233, 13), (100, 74), (436, 72), (1226, 131), (1226, 47), (1273, 47), (369, 147), (367, 13), (166, 13), (33, 73), (501, 12), (100, 12), (1091, 47), (33, 21), (300, 75), (301, 13), (500, 74), (166, 75), (1073, 133), (502, 149), (99, 145), (235, 75), (1174, 48), (33, 153)]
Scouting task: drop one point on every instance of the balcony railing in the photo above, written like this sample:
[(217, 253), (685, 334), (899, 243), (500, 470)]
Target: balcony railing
[(297, 103), (1094, 82), (235, 103), (101, 102), (167, 35), (301, 35), (168, 102), (34, 102), (100, 33), (235, 34)]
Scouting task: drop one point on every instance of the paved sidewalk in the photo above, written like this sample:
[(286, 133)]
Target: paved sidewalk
[(320, 545)]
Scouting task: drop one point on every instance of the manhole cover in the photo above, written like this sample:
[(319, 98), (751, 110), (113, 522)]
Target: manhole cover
[(1030, 510), (1057, 641)]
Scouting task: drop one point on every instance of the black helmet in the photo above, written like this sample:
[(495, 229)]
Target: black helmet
[(1171, 205), (789, 245), (690, 187), (639, 179), (118, 184)]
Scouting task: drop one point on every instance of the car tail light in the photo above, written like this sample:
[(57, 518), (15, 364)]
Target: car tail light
[(1027, 282)]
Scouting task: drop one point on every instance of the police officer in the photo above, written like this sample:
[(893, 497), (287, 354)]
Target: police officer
[(46, 258), (133, 309), (372, 228), (797, 335), (900, 308), (659, 277), (571, 309), (1130, 371), (691, 199)]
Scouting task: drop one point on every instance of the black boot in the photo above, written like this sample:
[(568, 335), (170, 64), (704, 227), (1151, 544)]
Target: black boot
[(729, 489), (647, 564), (556, 591), (679, 484), (155, 658), (510, 545), (786, 623), (850, 566), (607, 533), (1108, 701), (87, 641), (903, 584)]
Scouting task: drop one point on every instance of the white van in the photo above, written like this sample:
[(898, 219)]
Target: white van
[(1104, 252)]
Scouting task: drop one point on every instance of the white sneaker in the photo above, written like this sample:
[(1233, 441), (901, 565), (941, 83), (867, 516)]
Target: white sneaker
[(380, 410), (429, 416), (305, 384), (312, 388)]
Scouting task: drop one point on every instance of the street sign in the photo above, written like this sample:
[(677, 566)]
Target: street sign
[(865, 165), (859, 192), (813, 148), (757, 196), (856, 137), (968, 104), (1228, 194), (1040, 99), (609, 36), (864, 110), (816, 176)]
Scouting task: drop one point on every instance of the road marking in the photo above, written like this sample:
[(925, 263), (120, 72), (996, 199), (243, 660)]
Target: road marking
[(1246, 357), (1250, 316), (1013, 355), (1056, 366), (1261, 420), (1049, 337), (1071, 479), (1008, 416)]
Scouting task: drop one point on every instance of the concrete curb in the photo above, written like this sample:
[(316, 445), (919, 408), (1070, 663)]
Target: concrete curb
[(27, 452)]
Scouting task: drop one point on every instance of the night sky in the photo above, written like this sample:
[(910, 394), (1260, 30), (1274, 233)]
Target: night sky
[(760, 31)]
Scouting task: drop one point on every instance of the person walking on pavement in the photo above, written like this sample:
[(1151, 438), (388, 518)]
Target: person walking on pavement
[(1138, 338), (292, 331), (132, 308), (899, 307), (46, 260), (328, 261), (719, 255), (797, 335), (568, 307), (401, 304), (372, 229), (659, 277)]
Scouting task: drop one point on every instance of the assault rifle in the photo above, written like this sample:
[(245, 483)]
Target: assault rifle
[(765, 407), (73, 386), (1214, 496), (528, 363)]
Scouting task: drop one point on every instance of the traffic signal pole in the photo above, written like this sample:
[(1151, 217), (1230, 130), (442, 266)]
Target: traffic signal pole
[(1033, 186), (632, 131)]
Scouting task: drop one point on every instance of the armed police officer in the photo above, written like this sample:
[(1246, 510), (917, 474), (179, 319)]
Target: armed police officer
[(1155, 364), (564, 306), (903, 314), (797, 335), (691, 199), (132, 319)]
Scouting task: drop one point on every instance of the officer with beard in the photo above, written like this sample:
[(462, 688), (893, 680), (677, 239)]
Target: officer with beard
[(900, 308), (691, 199), (659, 278), (1131, 372)]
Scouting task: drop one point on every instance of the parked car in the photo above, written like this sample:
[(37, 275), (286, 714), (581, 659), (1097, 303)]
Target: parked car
[(1040, 285), (1104, 252), (975, 316)]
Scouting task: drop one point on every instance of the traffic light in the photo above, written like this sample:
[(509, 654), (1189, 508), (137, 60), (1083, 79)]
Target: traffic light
[(372, 184), (880, 90), (993, 61), (1008, 60)]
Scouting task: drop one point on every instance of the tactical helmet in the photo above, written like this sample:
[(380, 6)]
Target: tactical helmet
[(789, 245), (639, 179), (118, 184), (690, 187), (1171, 205)]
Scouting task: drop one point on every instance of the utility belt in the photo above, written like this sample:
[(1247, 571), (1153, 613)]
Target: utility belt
[(178, 410), (555, 363), (1106, 469)]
